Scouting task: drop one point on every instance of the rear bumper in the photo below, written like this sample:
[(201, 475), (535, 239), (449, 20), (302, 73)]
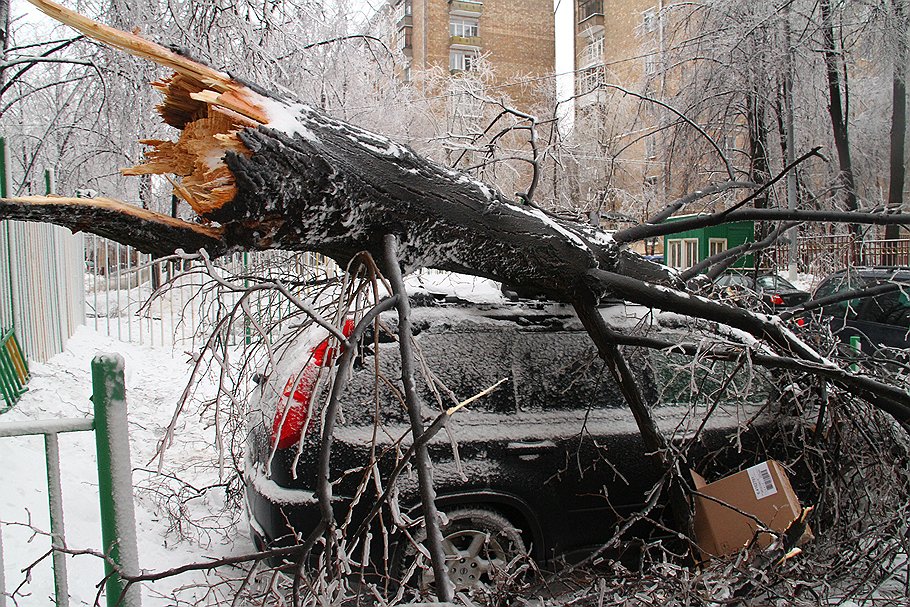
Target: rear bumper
[(279, 516)]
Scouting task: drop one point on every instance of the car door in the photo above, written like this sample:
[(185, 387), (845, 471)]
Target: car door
[(589, 450)]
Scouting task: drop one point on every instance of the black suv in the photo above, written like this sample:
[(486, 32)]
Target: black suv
[(549, 463), (879, 321)]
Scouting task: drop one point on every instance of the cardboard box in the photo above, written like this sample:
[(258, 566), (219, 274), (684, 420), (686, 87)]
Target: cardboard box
[(763, 491)]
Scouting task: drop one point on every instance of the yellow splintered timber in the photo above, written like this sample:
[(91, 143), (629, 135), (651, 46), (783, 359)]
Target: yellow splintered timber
[(206, 104)]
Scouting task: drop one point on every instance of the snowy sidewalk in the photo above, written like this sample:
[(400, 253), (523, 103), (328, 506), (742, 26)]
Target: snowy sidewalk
[(155, 378)]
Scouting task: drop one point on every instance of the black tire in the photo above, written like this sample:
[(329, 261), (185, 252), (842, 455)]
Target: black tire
[(483, 551)]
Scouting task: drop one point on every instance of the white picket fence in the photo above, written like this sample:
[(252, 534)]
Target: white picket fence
[(52, 281)]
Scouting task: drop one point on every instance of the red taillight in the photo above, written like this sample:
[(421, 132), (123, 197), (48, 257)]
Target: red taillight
[(801, 322), (293, 408), (777, 300)]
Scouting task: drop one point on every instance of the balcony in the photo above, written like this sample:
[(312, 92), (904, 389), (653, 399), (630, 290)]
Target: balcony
[(590, 9), (404, 41), (592, 53), (471, 41), (468, 8), (403, 13)]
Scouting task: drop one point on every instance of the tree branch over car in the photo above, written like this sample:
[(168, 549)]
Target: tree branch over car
[(261, 172)]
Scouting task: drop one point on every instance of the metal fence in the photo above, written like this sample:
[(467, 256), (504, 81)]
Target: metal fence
[(824, 254), (130, 296), (41, 285), (118, 525), (52, 281)]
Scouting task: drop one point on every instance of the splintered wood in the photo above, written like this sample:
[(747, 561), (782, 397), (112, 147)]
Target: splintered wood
[(207, 105), (210, 122)]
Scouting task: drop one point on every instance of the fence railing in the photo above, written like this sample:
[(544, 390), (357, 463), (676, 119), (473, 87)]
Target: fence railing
[(41, 285), (118, 523), (120, 283), (821, 255)]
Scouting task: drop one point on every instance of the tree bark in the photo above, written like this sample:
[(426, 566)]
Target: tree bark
[(758, 155), (896, 170), (654, 442), (836, 109), (4, 39), (445, 590)]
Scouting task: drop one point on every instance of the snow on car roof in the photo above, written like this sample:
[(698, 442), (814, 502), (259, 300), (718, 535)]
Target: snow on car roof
[(460, 286)]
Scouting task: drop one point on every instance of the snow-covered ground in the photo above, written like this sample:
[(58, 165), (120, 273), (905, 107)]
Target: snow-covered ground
[(60, 388)]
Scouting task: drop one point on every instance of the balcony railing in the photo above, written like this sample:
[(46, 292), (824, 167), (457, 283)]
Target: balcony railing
[(592, 53), (590, 8), (465, 40), (466, 6)]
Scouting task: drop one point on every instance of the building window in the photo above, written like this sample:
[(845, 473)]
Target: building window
[(593, 52), (462, 60), (402, 10), (650, 147), (716, 245), (466, 105), (590, 79), (403, 39), (649, 20), (682, 253), (651, 62), (465, 27), (589, 8)]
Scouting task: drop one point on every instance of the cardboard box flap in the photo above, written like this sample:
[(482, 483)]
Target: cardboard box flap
[(697, 480)]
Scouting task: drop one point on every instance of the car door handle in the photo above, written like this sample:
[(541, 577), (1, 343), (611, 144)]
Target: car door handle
[(530, 447)]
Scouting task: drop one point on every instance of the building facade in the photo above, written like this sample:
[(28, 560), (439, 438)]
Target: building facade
[(618, 52), (514, 39)]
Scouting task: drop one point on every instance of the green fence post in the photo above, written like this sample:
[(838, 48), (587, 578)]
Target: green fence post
[(115, 486), (856, 346), (4, 193)]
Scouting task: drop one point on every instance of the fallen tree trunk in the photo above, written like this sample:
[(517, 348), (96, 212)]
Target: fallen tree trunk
[(262, 172)]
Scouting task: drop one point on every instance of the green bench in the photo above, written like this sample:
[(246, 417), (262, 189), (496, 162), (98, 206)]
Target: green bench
[(13, 370)]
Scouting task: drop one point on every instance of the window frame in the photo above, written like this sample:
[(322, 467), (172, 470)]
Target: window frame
[(593, 51), (716, 241), (649, 20), (680, 252), (468, 26), (463, 60)]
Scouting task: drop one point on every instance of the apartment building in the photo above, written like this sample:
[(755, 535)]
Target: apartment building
[(618, 43), (515, 38)]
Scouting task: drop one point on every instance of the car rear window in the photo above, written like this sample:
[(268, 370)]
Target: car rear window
[(773, 282), (461, 360)]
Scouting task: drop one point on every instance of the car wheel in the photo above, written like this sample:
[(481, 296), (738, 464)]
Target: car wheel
[(481, 549)]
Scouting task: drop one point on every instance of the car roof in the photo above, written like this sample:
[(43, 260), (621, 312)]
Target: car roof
[(898, 273)]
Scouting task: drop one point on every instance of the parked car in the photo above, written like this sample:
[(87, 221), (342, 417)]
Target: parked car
[(548, 463), (774, 291), (879, 321)]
